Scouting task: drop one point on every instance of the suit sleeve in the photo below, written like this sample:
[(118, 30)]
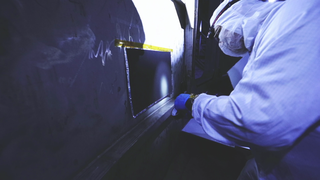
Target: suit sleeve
[(278, 98)]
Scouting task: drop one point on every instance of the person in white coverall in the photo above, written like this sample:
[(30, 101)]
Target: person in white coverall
[(275, 108)]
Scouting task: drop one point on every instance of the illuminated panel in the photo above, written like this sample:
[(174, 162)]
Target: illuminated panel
[(149, 77)]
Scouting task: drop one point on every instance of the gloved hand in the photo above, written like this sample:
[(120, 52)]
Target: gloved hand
[(184, 102)]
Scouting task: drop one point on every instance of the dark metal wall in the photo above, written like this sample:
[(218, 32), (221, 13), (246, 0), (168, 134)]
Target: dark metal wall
[(63, 94), (63, 89)]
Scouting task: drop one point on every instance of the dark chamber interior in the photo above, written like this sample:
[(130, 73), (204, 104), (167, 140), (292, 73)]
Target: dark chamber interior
[(149, 76), (64, 109)]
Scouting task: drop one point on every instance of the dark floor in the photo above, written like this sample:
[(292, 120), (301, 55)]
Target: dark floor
[(167, 153), (201, 159)]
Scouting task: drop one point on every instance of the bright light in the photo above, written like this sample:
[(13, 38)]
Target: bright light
[(271, 0), (190, 5), (160, 22), (164, 86)]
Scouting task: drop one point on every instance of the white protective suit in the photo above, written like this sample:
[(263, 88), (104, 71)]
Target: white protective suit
[(275, 108)]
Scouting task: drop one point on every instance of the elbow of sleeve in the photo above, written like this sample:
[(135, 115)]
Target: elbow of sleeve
[(275, 140)]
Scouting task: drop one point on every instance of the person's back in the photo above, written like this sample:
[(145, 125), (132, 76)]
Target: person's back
[(293, 36), (275, 108)]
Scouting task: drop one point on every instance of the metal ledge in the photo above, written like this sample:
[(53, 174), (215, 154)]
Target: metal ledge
[(153, 119)]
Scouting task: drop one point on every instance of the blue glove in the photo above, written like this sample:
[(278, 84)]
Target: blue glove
[(180, 102)]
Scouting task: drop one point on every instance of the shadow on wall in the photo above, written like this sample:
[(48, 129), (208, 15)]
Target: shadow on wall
[(63, 89)]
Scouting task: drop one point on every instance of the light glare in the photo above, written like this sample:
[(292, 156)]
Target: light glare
[(164, 86)]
